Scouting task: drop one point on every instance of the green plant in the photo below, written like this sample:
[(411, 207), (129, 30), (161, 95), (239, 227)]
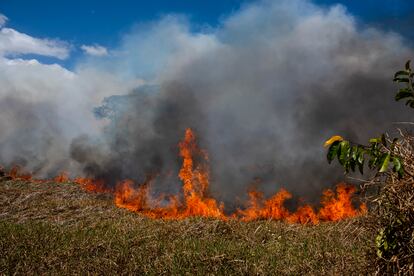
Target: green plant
[(405, 77), (379, 154)]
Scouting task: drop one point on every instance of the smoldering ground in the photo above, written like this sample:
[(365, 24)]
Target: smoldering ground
[(262, 91)]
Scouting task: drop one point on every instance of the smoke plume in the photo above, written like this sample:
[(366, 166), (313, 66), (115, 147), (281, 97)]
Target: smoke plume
[(262, 91)]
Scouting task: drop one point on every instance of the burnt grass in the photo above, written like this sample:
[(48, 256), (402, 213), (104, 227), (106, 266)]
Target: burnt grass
[(58, 228)]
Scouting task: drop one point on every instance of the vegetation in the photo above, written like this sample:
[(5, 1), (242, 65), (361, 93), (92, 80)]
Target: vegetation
[(61, 229), (393, 213)]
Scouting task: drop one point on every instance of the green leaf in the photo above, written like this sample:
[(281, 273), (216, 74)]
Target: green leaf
[(401, 73), (398, 167), (361, 153), (344, 152), (361, 167), (397, 164), (385, 163), (372, 162), (401, 79), (332, 151), (346, 166), (352, 164), (403, 93), (375, 140), (354, 153)]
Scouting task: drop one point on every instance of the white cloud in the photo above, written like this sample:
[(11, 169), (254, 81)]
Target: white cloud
[(13, 42), (3, 20), (148, 50), (95, 50)]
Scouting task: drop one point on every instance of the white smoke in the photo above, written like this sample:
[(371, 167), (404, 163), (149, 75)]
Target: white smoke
[(263, 90)]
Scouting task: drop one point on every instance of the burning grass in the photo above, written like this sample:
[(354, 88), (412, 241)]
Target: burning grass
[(60, 228), (195, 200)]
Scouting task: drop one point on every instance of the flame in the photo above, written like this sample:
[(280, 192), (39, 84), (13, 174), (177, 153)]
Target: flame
[(62, 177), (129, 197), (272, 208), (195, 178), (92, 185), (195, 200), (335, 206), (17, 174), (339, 206), (196, 181), (304, 215)]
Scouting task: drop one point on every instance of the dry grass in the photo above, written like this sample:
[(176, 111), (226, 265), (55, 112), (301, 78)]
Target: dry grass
[(393, 217), (51, 228)]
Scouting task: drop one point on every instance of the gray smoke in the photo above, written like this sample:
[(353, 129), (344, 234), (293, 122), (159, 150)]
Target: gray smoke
[(262, 92)]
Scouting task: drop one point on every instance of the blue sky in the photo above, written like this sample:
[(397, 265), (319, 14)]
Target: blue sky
[(94, 22)]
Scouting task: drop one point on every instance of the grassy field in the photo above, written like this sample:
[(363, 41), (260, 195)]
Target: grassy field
[(51, 228)]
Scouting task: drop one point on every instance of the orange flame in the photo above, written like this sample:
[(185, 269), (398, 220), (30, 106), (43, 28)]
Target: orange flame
[(340, 206), (304, 214), (195, 178), (272, 208), (129, 197), (62, 177), (16, 173), (196, 181), (92, 185), (335, 206)]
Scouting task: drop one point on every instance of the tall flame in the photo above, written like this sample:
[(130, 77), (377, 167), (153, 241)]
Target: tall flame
[(195, 177), (196, 181)]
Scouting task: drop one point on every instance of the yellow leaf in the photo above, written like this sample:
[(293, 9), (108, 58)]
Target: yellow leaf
[(333, 139)]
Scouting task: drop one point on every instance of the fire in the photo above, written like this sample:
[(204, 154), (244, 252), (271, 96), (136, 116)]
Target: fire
[(62, 177), (129, 197), (196, 181), (335, 206), (272, 208), (304, 214), (340, 206), (92, 185), (16, 173), (195, 177), (195, 199)]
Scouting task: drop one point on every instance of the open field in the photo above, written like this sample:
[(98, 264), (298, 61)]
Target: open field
[(61, 229)]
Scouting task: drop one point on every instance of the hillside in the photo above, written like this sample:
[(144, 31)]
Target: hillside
[(59, 228)]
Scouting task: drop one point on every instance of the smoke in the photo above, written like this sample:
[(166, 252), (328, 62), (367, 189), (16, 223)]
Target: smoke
[(42, 108), (262, 91)]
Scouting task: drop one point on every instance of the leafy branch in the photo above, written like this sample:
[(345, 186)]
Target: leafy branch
[(405, 77), (379, 154)]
